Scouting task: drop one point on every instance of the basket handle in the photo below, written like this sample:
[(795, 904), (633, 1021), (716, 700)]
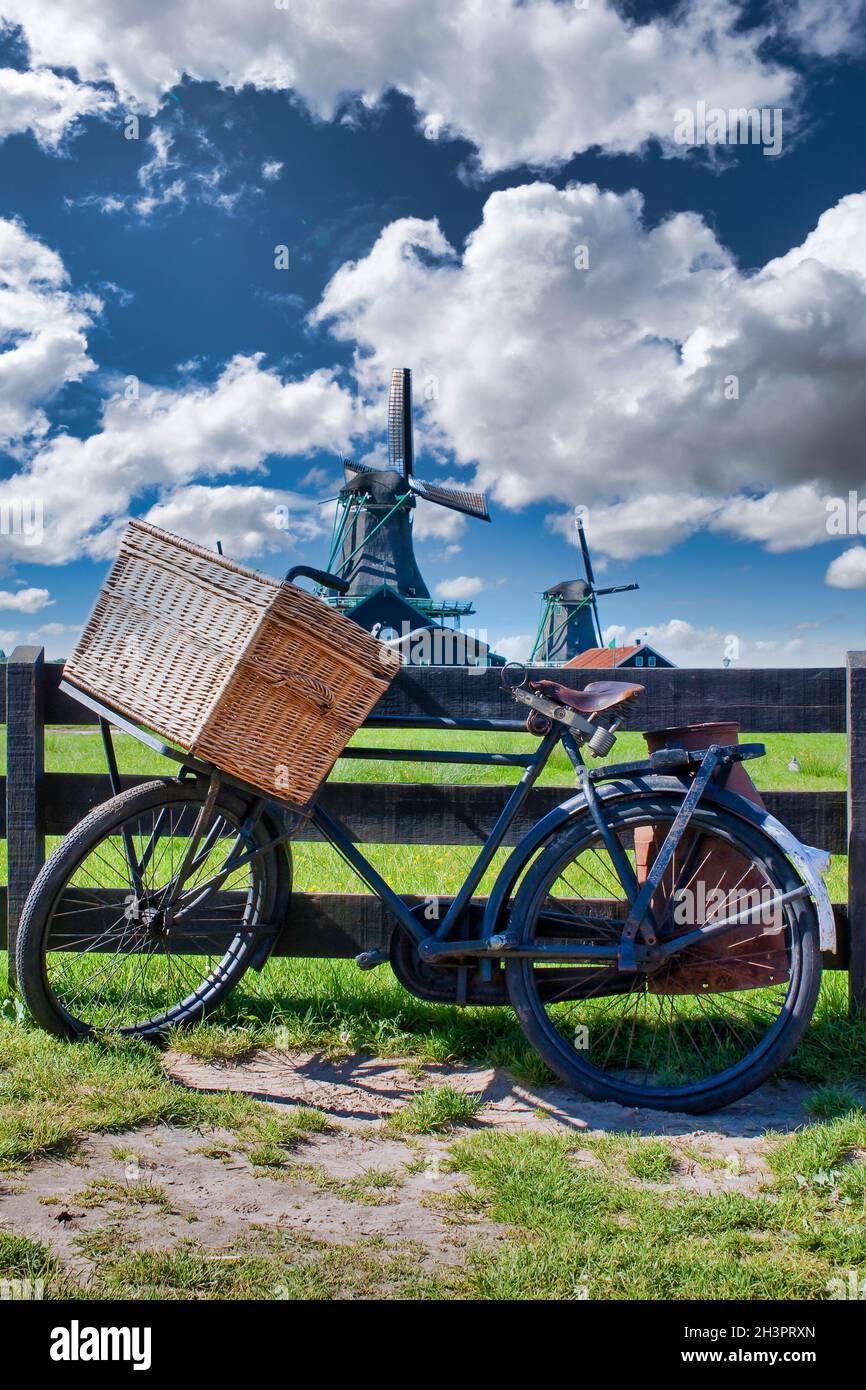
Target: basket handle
[(309, 686)]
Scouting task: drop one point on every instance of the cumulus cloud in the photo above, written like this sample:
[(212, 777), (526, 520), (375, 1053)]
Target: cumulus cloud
[(648, 525), (46, 105), (42, 331), (25, 600), (166, 440), (249, 520), (848, 570), (787, 519), (659, 361), (524, 82), (462, 586), (686, 644)]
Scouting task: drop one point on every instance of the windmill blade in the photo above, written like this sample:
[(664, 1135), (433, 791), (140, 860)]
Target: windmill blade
[(584, 548), (457, 498), (401, 444), (351, 469)]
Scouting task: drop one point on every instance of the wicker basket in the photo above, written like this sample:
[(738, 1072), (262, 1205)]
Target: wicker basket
[(260, 678)]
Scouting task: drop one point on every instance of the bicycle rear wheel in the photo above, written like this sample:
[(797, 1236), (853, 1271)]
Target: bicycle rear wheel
[(102, 949), (715, 1020)]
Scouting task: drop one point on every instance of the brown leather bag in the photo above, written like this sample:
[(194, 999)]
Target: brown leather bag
[(719, 883)]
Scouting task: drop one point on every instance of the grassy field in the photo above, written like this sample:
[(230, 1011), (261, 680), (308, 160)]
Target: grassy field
[(822, 757), (583, 1216)]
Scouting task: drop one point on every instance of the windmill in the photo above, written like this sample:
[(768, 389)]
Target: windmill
[(569, 617), (372, 547)]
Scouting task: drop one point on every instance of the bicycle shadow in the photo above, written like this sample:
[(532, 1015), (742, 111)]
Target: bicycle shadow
[(359, 1091)]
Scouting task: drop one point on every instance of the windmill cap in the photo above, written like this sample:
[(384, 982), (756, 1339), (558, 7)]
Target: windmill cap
[(572, 590)]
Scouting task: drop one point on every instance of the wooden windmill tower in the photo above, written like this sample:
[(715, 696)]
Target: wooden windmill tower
[(371, 546), (569, 615)]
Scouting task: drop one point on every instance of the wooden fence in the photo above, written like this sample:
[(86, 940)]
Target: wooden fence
[(39, 803)]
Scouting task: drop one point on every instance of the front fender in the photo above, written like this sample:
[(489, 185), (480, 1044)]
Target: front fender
[(808, 861)]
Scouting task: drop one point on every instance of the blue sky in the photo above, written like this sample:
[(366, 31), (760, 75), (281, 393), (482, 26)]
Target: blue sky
[(432, 194)]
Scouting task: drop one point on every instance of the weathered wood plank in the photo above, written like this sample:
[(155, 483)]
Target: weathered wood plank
[(390, 813), (770, 700), (25, 760), (857, 829), (339, 925)]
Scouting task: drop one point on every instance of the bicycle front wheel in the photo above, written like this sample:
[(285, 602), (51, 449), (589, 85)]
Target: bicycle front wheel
[(142, 920), (718, 1018)]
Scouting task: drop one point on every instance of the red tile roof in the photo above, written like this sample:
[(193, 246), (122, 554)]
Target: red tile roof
[(603, 657)]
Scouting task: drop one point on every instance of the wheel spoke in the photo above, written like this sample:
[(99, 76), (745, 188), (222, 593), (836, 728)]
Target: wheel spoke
[(118, 958), (678, 1022)]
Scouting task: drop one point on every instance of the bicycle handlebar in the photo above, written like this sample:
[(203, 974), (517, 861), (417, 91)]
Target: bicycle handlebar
[(328, 581)]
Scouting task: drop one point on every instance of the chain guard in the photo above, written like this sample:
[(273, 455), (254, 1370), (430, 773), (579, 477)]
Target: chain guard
[(443, 984)]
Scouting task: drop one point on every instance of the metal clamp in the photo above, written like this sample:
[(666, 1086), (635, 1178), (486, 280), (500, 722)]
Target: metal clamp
[(561, 713)]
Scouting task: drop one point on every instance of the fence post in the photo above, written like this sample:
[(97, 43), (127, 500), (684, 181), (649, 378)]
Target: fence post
[(25, 766), (857, 830)]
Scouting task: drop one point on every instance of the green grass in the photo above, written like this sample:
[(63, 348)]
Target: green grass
[(822, 758), (605, 1231), (266, 1265), (52, 1093), (581, 1232), (435, 1110)]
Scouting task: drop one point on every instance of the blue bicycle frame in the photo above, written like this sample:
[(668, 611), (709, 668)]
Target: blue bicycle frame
[(705, 772)]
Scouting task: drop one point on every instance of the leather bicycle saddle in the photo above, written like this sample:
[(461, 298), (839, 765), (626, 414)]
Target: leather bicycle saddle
[(597, 696)]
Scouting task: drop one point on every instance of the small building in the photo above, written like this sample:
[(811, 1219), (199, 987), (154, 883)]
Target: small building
[(639, 655)]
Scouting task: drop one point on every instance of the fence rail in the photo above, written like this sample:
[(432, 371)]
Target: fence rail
[(807, 700)]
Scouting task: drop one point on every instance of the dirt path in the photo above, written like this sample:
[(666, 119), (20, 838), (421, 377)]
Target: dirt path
[(163, 1187), (172, 1185), (361, 1091)]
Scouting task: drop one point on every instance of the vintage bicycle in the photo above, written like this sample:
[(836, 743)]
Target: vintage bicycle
[(658, 935)]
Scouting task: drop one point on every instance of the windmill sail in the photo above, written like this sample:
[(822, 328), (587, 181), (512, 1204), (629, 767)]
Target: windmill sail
[(584, 549), (457, 498), (401, 448)]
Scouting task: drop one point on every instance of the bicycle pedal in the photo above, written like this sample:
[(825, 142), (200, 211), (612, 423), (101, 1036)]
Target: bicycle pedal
[(368, 960)]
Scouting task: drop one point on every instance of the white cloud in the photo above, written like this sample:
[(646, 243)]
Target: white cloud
[(42, 331), (605, 385), (46, 105), (248, 519), (524, 82), (781, 520), (461, 587), (431, 522), (271, 169), (169, 177), (58, 639), (167, 440), (26, 600), (649, 525), (688, 645), (516, 648), (848, 570), (8, 640), (829, 28)]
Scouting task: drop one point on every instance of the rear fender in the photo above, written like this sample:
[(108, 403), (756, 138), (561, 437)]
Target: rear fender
[(808, 861)]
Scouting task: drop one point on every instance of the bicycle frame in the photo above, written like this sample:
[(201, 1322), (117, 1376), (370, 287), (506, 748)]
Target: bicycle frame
[(708, 769)]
